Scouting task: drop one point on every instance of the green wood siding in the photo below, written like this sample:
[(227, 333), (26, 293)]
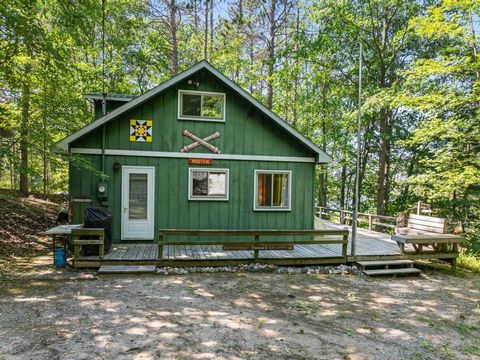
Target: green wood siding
[(174, 210), (245, 130)]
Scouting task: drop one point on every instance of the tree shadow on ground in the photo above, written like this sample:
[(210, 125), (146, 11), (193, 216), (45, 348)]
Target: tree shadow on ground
[(239, 316)]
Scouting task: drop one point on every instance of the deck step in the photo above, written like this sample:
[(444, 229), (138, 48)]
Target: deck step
[(400, 271), (385, 263), (126, 269)]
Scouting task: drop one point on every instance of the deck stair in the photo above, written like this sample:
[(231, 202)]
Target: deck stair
[(126, 269), (388, 267)]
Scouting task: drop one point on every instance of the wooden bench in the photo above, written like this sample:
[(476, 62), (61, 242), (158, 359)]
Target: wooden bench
[(423, 225), (426, 231), (97, 237)]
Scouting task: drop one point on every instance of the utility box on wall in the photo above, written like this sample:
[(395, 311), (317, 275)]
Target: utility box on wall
[(102, 190)]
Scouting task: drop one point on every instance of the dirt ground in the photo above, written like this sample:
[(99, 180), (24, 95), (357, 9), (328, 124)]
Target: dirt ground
[(51, 314)]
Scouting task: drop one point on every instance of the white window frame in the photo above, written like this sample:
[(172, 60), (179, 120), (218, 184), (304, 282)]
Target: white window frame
[(255, 191), (200, 118), (207, 197)]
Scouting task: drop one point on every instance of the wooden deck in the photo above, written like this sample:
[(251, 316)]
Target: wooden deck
[(371, 245)]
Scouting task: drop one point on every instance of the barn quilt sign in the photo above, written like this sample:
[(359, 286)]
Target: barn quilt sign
[(141, 130)]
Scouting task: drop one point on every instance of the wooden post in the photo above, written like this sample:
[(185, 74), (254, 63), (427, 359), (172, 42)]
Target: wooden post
[(370, 222), (345, 246), (101, 247), (160, 246), (419, 208), (255, 252), (342, 217)]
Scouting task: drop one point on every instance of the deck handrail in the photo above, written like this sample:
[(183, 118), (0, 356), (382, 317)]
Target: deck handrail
[(256, 243), (362, 217)]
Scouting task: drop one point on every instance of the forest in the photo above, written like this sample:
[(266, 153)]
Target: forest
[(420, 127)]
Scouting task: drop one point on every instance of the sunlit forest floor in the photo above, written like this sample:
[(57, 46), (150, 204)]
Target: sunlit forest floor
[(22, 221), (47, 313)]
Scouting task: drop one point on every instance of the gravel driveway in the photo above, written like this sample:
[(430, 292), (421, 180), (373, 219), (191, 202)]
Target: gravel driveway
[(49, 314)]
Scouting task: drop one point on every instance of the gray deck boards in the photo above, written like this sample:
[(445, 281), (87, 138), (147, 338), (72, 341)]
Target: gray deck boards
[(368, 243)]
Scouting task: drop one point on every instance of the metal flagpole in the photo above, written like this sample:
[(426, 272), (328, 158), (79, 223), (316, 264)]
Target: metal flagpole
[(357, 175), (104, 95)]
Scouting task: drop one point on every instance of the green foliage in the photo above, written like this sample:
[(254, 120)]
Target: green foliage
[(469, 261), (421, 85)]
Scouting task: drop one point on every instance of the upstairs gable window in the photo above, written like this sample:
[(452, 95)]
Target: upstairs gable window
[(201, 105)]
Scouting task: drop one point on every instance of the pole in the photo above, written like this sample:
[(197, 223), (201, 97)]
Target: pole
[(104, 94), (357, 172)]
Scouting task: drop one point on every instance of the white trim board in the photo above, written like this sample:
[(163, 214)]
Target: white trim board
[(166, 154), (321, 156)]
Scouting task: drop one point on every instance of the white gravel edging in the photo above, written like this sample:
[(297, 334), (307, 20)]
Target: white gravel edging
[(255, 267)]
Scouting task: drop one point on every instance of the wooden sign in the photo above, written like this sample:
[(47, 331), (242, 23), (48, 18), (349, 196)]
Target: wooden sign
[(196, 161)]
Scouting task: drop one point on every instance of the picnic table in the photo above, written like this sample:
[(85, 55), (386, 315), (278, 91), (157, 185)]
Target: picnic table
[(61, 233)]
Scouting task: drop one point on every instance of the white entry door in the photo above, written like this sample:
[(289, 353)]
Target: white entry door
[(138, 202)]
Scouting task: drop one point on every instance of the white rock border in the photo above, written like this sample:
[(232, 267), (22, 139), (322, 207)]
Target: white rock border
[(258, 267)]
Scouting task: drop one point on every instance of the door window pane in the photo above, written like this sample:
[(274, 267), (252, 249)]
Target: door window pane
[(137, 197)]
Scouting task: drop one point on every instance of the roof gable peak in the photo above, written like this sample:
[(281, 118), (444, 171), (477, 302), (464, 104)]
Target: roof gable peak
[(321, 156)]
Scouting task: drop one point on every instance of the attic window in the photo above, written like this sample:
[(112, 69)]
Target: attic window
[(201, 105)]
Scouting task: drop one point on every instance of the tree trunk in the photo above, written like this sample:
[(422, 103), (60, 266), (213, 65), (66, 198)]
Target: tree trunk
[(13, 177), (205, 32), (173, 32), (211, 29), (383, 164), (343, 181), (24, 131), (239, 29), (195, 15), (474, 40), (295, 79), (364, 157), (272, 25), (385, 135)]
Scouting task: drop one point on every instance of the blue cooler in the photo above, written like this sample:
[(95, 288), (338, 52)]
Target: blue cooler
[(60, 257)]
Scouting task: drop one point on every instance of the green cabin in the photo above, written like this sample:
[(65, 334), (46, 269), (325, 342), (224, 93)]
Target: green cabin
[(195, 152)]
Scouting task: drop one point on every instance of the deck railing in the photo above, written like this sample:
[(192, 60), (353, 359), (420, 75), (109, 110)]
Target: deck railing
[(370, 219), (256, 243)]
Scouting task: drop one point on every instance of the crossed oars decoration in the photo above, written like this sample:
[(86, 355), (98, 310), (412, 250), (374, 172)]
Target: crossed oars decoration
[(200, 142)]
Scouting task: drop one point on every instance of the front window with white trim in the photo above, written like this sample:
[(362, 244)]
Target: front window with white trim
[(201, 105), (207, 184), (272, 190)]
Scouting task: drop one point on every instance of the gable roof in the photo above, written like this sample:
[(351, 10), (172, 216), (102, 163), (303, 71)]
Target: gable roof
[(321, 156)]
